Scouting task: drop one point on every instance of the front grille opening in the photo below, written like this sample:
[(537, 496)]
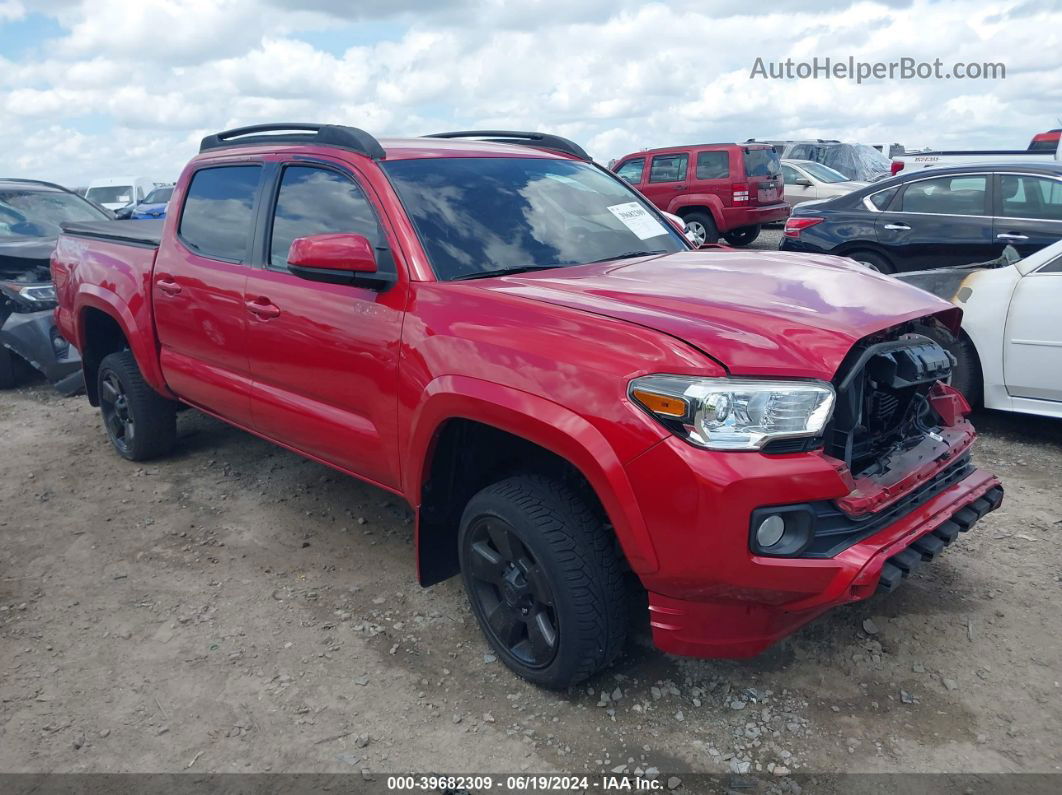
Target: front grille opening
[(883, 403)]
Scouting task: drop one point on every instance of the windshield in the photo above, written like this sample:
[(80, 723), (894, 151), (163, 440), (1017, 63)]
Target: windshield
[(480, 214), (159, 196), (111, 194), (823, 173), (38, 213), (762, 163)]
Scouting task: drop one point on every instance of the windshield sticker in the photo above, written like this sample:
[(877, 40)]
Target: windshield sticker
[(635, 218)]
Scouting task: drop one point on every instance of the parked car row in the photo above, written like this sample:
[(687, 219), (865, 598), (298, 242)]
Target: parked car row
[(574, 402)]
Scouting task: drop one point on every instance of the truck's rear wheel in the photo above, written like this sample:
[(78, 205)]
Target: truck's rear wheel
[(140, 423), (544, 579)]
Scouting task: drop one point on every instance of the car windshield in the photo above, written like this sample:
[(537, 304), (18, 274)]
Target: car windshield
[(159, 196), (38, 213), (477, 215), (111, 194), (823, 173)]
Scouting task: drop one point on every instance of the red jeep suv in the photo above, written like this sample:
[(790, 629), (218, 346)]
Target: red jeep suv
[(573, 402), (727, 189)]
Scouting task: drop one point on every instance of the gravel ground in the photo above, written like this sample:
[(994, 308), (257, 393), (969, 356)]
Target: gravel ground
[(237, 608)]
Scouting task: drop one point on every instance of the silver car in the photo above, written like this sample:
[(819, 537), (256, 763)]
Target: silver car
[(806, 180)]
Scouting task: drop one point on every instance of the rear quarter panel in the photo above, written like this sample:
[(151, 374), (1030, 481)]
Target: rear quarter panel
[(114, 278)]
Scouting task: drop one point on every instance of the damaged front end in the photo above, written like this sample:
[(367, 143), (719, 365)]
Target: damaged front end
[(29, 338)]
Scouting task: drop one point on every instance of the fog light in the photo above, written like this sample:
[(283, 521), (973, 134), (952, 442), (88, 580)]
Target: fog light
[(770, 531)]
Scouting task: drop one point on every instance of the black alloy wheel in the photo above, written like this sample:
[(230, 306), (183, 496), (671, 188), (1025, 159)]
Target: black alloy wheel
[(512, 592)]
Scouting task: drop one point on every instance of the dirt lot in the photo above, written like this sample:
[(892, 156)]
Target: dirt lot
[(237, 608)]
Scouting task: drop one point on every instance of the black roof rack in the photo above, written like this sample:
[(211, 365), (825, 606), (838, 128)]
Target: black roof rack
[(298, 133), (541, 140)]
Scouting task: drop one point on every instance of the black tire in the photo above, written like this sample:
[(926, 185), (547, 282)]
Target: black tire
[(875, 261), (966, 375), (140, 423), (696, 220), (742, 236), (539, 564), (8, 370)]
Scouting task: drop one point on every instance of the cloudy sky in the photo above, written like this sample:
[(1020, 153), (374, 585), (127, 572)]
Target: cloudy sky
[(91, 88)]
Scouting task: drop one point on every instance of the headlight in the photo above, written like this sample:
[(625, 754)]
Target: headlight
[(32, 297), (735, 413)]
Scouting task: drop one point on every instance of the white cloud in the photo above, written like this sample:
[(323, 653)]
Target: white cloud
[(132, 86)]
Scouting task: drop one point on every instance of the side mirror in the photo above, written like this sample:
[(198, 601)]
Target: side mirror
[(803, 181), (335, 259)]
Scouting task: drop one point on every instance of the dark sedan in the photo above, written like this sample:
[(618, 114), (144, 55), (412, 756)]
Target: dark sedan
[(31, 213), (934, 218)]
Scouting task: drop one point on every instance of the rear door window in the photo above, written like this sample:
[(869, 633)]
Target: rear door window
[(713, 165), (669, 168), (218, 216), (632, 170), (965, 195), (1030, 197)]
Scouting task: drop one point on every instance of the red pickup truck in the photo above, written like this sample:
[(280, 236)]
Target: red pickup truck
[(575, 403)]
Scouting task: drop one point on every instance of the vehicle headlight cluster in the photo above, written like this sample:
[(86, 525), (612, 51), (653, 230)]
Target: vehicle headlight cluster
[(735, 413), (30, 296)]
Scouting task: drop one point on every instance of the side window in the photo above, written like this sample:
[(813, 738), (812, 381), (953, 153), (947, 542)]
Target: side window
[(713, 165), (1030, 197), (316, 201), (218, 216), (882, 198), (632, 170), (789, 174), (668, 168), (1054, 266), (946, 196)]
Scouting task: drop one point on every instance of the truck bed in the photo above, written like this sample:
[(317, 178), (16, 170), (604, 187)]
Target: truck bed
[(134, 233)]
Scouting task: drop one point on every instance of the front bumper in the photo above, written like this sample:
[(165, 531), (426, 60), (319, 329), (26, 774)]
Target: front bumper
[(34, 338), (712, 597)]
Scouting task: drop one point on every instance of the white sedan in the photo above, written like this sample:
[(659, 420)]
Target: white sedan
[(1009, 350)]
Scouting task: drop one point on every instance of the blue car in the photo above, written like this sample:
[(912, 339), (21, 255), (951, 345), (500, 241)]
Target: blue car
[(154, 205)]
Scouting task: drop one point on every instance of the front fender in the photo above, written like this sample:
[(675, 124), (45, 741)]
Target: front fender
[(545, 423)]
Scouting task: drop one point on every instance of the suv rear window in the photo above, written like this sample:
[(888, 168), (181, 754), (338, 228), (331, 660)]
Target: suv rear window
[(713, 165), (218, 215), (762, 163)]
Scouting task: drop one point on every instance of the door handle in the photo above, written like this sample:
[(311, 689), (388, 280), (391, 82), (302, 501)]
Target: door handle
[(680, 187), (901, 227), (1009, 236), (168, 286), (263, 308)]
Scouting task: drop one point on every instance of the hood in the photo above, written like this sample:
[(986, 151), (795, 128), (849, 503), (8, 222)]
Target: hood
[(26, 259), (150, 209), (759, 313)]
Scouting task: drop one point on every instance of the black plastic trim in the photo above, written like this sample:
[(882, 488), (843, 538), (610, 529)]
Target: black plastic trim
[(537, 139), (343, 137), (145, 234)]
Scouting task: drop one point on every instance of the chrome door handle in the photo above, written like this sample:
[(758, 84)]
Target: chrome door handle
[(1008, 236), (902, 227)]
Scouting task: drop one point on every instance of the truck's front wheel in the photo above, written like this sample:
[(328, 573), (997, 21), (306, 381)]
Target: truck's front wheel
[(140, 423), (544, 579)]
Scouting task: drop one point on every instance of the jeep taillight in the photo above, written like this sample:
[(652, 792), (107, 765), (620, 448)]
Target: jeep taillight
[(794, 226), (896, 167), (740, 192)]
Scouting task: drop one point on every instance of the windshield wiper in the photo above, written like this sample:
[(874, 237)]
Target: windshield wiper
[(628, 255), (501, 272)]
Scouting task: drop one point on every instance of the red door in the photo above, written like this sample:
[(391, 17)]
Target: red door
[(324, 357), (666, 180), (198, 292)]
